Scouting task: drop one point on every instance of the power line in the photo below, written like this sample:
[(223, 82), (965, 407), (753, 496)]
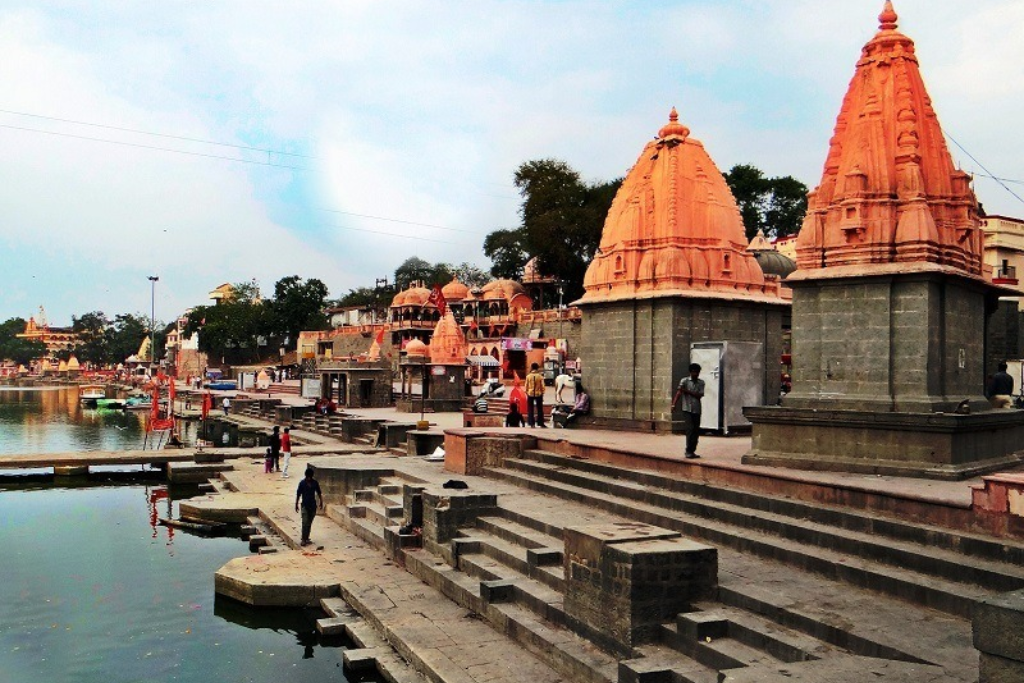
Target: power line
[(990, 175), (152, 147), (1005, 180), (159, 135)]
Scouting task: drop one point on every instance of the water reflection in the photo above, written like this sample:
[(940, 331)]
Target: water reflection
[(91, 595), (49, 420)]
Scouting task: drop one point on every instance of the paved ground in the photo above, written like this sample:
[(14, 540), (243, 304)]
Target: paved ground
[(719, 451)]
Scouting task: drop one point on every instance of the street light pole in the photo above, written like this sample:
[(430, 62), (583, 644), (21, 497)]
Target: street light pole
[(153, 279)]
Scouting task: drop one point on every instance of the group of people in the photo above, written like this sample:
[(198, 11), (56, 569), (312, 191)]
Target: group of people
[(325, 406), (278, 444)]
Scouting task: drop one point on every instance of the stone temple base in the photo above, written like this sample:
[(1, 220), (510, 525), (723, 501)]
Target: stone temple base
[(930, 445)]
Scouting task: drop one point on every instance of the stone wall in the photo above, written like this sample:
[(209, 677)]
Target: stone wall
[(635, 352), (1003, 336), (909, 343)]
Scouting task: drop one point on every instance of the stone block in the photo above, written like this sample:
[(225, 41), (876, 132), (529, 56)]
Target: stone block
[(997, 625), (492, 592), (543, 557), (701, 625), (995, 669), (626, 579), (333, 626), (361, 659), (446, 511)]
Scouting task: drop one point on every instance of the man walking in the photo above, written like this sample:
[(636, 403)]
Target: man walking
[(691, 390), (308, 492), (275, 448), (226, 404), (286, 450), (535, 397)]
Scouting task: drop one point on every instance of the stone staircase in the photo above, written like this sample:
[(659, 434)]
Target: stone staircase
[(792, 586), (926, 565)]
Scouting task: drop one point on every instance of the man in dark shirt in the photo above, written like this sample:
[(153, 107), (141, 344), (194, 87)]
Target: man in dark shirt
[(275, 449), (308, 492), (1000, 389)]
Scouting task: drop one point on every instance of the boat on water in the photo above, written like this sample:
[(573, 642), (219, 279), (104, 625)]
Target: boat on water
[(89, 394), (223, 385), (138, 403), (110, 403)]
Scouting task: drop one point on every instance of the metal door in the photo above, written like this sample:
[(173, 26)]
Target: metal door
[(709, 358)]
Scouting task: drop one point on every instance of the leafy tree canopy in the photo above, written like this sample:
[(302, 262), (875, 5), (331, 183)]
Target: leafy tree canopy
[(21, 351), (774, 205), (298, 306), (562, 219), (415, 269)]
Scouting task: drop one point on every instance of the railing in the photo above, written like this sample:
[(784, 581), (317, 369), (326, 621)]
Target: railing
[(1005, 273)]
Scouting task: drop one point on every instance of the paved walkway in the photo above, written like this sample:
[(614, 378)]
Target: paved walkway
[(716, 451)]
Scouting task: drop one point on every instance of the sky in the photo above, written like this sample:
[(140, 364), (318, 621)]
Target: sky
[(213, 142)]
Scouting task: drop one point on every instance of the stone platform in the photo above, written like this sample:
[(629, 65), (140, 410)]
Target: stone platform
[(929, 445)]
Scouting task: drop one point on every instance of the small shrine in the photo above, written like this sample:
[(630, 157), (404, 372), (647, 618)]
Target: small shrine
[(363, 381), (890, 298), (672, 271), (434, 376)]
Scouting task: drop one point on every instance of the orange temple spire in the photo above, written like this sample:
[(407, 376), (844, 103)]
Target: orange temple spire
[(674, 230), (890, 195)]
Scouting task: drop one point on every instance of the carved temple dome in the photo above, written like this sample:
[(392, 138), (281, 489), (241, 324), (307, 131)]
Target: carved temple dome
[(414, 296), (416, 349), (509, 291), (890, 197), (448, 343), (772, 262), (455, 290), (674, 230)]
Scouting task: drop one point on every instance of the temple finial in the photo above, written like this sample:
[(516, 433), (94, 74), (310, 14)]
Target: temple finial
[(888, 18), (673, 127)]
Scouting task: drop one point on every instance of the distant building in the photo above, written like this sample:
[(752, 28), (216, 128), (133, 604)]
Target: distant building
[(1004, 249), (56, 339)]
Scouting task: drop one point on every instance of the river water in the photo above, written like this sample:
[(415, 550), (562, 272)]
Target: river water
[(93, 589)]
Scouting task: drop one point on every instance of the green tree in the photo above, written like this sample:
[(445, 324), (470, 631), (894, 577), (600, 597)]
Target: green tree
[(775, 205), (235, 325), (92, 346), (124, 336), (507, 251), (562, 220), (415, 269), (21, 351), (298, 306), (470, 275)]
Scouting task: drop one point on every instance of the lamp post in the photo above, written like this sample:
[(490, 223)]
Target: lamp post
[(153, 279)]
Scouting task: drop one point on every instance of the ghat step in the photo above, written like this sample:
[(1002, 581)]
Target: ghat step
[(944, 579)]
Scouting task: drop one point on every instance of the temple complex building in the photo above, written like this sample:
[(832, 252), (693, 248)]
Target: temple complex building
[(673, 282), (891, 296), (56, 339)]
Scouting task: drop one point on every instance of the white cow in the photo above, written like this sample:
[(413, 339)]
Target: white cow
[(563, 382)]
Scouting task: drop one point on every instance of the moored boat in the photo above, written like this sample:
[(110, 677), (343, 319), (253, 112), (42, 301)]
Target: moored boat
[(89, 394)]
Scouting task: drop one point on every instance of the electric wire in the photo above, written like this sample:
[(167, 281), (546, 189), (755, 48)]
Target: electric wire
[(152, 147), (159, 135), (990, 174)]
